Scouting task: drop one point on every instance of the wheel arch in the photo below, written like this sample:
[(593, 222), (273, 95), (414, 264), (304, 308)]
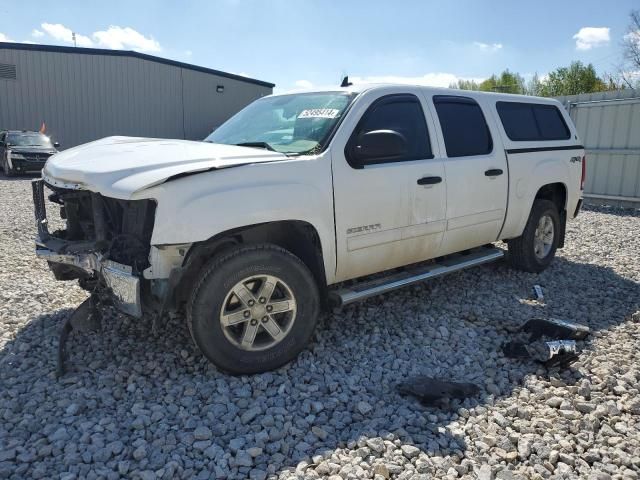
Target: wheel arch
[(556, 193), (297, 236)]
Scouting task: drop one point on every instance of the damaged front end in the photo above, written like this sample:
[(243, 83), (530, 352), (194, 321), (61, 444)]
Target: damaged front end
[(105, 244)]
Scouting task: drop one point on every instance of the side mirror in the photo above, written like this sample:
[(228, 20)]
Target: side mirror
[(379, 145), (56, 144)]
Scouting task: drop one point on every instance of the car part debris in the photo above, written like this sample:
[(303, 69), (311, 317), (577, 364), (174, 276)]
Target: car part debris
[(551, 342), (538, 292), (555, 328), (431, 391), (85, 318), (560, 353), (553, 353)]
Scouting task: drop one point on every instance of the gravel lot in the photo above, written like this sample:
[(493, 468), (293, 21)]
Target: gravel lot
[(144, 405)]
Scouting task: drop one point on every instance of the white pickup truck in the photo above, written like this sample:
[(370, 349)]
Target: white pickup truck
[(254, 230)]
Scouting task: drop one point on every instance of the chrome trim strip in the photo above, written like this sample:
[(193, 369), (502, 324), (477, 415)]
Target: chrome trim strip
[(455, 264)]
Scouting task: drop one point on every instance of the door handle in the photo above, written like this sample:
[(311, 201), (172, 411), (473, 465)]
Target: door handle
[(493, 172), (429, 180)]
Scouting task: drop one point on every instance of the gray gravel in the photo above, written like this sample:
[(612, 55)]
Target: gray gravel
[(143, 405)]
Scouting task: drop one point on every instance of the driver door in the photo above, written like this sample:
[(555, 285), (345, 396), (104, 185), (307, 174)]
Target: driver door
[(389, 209)]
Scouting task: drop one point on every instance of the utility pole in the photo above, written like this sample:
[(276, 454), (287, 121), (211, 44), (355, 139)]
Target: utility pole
[(73, 37)]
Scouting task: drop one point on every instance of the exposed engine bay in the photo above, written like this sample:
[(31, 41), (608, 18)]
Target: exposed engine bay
[(105, 242), (119, 229)]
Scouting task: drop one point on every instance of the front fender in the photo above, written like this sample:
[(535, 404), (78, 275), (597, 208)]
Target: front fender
[(198, 207)]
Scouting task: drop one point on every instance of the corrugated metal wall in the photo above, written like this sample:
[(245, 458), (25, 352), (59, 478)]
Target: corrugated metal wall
[(609, 125), (83, 97)]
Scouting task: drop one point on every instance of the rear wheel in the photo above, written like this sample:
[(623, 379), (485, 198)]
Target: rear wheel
[(253, 309), (534, 250)]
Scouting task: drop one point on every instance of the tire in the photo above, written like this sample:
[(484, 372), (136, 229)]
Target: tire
[(525, 252), (255, 268)]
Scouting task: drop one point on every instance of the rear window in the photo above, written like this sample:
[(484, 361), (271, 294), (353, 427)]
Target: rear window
[(532, 121), (464, 127)]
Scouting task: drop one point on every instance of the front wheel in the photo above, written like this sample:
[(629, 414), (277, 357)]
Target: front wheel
[(534, 250), (253, 309)]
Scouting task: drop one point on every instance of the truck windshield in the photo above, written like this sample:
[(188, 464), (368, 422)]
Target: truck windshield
[(28, 140), (291, 124)]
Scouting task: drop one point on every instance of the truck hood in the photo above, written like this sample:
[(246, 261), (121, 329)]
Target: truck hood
[(121, 166)]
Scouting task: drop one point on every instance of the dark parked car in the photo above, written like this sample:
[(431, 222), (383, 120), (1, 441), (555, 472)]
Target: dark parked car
[(22, 151)]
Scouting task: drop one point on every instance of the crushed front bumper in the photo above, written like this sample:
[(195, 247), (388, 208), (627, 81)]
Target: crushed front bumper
[(118, 278)]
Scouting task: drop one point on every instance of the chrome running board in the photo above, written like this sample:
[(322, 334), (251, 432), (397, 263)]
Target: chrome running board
[(415, 274)]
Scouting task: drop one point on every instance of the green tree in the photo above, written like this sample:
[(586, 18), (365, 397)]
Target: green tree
[(506, 82), (465, 85), (572, 80), (534, 86)]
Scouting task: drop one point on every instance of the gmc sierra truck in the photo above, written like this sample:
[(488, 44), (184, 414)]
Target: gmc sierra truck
[(310, 199)]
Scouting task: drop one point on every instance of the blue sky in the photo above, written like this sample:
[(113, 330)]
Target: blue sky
[(314, 43)]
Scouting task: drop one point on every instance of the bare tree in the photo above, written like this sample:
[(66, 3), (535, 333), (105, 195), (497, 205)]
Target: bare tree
[(631, 45)]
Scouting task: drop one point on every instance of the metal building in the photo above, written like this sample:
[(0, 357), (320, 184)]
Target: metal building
[(82, 94), (609, 125)]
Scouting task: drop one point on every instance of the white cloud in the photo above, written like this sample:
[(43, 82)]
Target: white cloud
[(590, 37), (188, 53), (63, 34), (5, 38), (488, 47), (633, 37), (438, 79), (118, 38), (114, 37), (303, 84)]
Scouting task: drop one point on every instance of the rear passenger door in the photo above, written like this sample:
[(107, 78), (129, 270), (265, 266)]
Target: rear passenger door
[(476, 171)]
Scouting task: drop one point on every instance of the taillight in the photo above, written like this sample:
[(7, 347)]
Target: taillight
[(584, 172)]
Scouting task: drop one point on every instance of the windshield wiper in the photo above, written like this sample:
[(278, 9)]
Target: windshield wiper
[(264, 145)]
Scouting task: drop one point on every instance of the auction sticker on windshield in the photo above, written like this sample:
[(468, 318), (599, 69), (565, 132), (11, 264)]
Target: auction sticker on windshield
[(319, 113)]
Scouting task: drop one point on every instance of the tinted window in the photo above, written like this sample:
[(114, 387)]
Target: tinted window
[(532, 121), (28, 139), (518, 122), (463, 126), (403, 114), (550, 123)]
